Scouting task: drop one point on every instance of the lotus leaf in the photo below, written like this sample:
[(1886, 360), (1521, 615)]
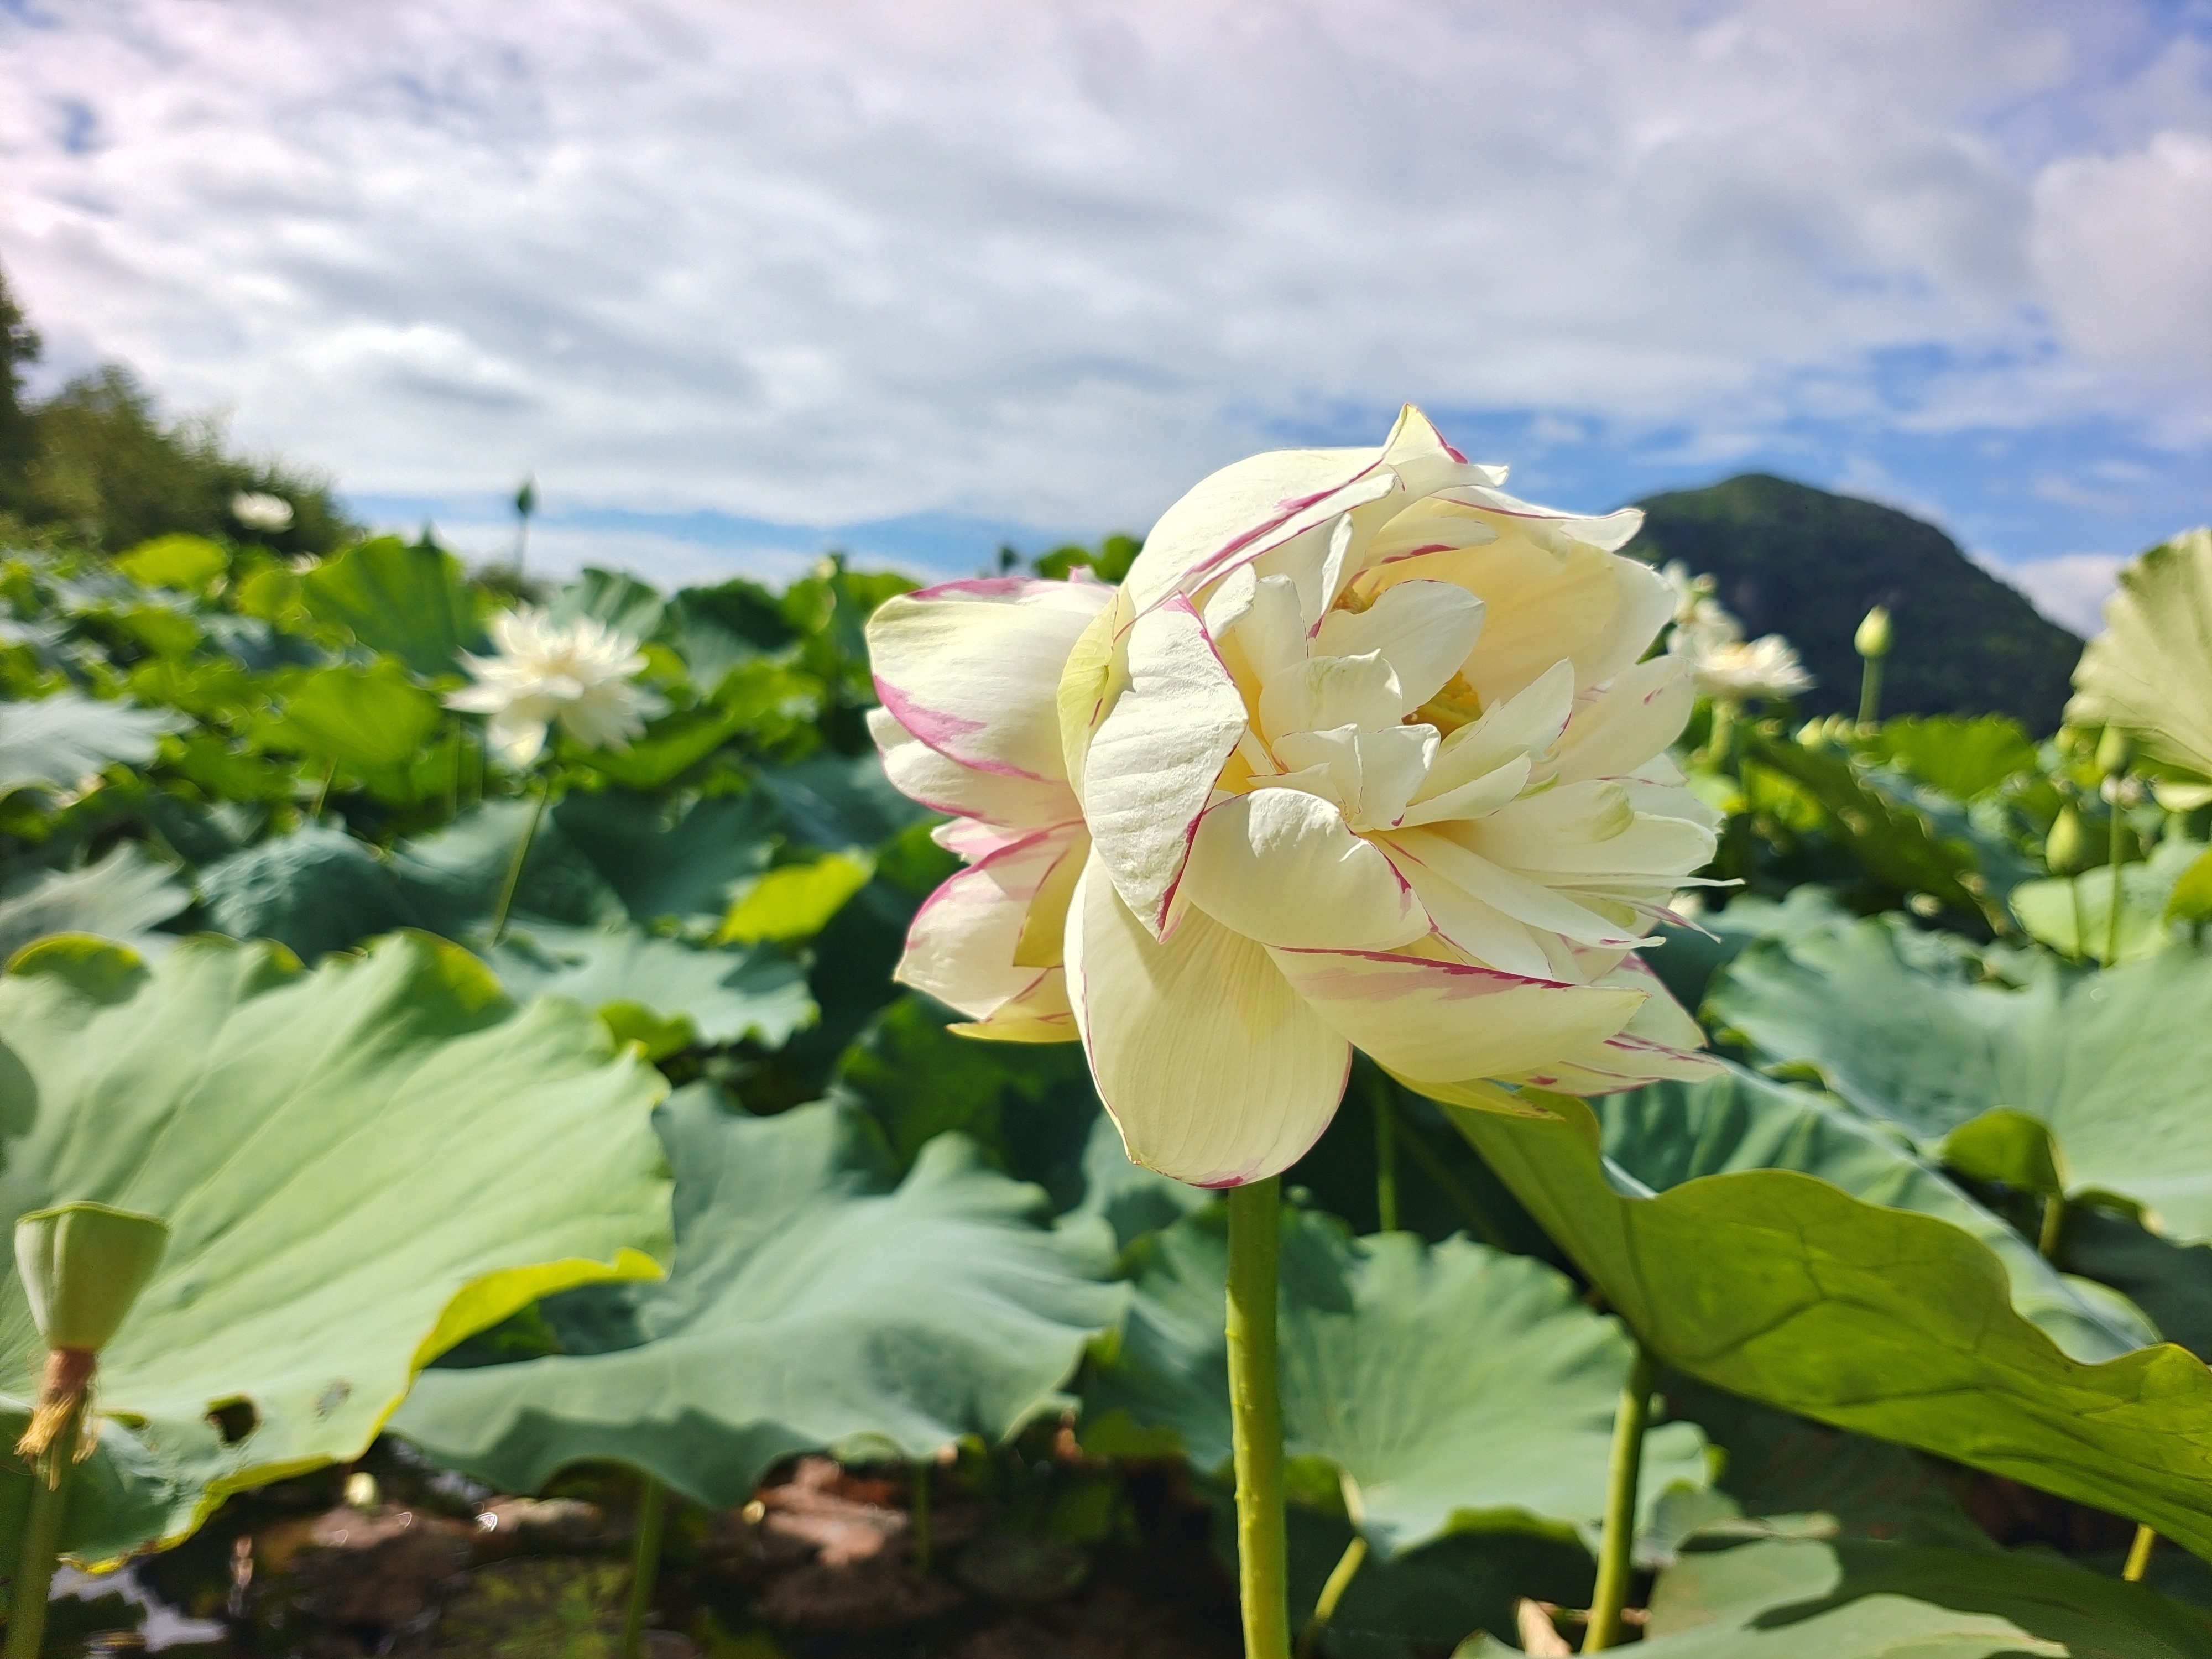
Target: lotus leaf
[(359, 1167), (719, 996), (2146, 671), (1450, 1387), (59, 741), (813, 1304), (408, 601), (2073, 914), (2109, 1064), (120, 898), (1784, 1284)]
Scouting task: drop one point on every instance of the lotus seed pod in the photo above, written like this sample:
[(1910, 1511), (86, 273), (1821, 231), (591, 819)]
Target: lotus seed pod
[(2115, 750), (1872, 638), (2066, 849), (82, 1266)]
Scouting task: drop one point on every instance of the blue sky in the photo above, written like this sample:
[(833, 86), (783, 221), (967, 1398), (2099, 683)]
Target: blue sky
[(740, 280)]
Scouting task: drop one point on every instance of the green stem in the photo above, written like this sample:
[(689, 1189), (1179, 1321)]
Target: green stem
[(1255, 1247), (2054, 1227), (42, 1536), (323, 792), (514, 869), (917, 1516), (1869, 690), (1614, 1562), (2139, 1555), (1720, 739), (1433, 1166), (2081, 917), (645, 1567), (1340, 1580), (2113, 855), (1386, 1154)]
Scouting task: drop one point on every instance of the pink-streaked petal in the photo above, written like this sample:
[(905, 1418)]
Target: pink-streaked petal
[(1152, 763), (973, 668), (1424, 631), (1039, 1014), (1022, 805), (1215, 1071), (1444, 1022), (962, 944), (1619, 731), (1280, 866)]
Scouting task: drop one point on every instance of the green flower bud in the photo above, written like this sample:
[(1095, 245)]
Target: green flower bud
[(1872, 638), (2066, 849), (2115, 750), (82, 1266)]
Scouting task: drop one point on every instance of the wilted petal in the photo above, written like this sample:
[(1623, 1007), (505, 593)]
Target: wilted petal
[(973, 668), (1151, 764), (1215, 1071), (1432, 1021), (1280, 866)]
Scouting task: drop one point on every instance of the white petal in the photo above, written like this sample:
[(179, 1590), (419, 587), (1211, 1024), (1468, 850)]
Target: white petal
[(1445, 1022), (1633, 719), (518, 738), (1322, 693), (961, 945), (1152, 763), (1393, 764), (1040, 1014), (1216, 1073), (1424, 631), (944, 785), (1280, 866), (1475, 799), (1591, 828), (973, 668), (1484, 932), (1445, 853), (1529, 723)]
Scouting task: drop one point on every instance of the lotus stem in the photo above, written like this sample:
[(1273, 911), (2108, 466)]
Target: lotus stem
[(323, 791), (917, 1514), (2113, 831), (2054, 1227), (1386, 1154), (1721, 736), (1255, 1249), (1340, 1580), (42, 1533), (1870, 691), (1615, 1561), (645, 1567), (515, 867), (2139, 1555)]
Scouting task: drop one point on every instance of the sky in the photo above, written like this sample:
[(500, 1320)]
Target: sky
[(736, 280)]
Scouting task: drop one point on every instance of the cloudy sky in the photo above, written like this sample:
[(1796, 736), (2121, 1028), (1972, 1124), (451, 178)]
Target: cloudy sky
[(736, 278)]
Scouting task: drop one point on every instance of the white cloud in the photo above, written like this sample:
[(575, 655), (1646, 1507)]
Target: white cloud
[(2070, 589), (1047, 263)]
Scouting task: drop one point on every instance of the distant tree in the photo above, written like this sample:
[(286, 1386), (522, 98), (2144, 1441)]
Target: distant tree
[(98, 463)]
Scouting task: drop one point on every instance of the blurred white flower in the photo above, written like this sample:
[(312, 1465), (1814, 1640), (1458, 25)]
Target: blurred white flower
[(1725, 665), (257, 511), (576, 674)]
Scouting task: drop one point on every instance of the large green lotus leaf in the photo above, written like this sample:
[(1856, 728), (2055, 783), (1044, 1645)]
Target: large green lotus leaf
[(2148, 670), (668, 748), (836, 801), (313, 891), (359, 1166), (689, 863), (2171, 1283), (120, 898), (1452, 1388), (2111, 1064), (453, 876), (2073, 914), (721, 995), (622, 602), (1787, 1599), (368, 720), (59, 741), (1780, 1285), (1693, 954), (409, 602), (813, 1304), (1963, 757)]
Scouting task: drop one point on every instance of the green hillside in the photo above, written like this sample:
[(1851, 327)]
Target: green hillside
[(1793, 559)]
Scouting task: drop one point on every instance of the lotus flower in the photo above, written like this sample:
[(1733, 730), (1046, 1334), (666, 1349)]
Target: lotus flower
[(257, 510), (576, 674), (1362, 753), (1723, 664)]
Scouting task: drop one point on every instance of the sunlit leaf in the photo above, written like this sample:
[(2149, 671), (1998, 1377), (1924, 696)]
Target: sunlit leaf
[(59, 741), (795, 901), (2150, 670)]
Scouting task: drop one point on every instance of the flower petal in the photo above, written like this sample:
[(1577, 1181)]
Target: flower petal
[(944, 785), (1040, 1014), (1424, 631), (1437, 1022), (1635, 718), (961, 945), (1279, 865), (1152, 763), (973, 668), (1445, 851), (1320, 694), (1215, 1071)]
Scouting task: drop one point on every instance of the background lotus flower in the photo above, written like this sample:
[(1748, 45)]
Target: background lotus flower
[(576, 674), (257, 510), (1361, 754), (1723, 664)]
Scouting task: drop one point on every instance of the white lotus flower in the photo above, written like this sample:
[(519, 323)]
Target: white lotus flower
[(1724, 665), (576, 674), (257, 511), (1361, 754)]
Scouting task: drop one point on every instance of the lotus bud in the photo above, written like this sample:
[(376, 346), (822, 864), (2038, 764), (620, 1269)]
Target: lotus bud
[(82, 1266), (2115, 752), (1872, 641), (2066, 848)]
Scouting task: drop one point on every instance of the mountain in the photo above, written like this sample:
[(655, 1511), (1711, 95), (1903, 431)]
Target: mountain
[(1792, 560)]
